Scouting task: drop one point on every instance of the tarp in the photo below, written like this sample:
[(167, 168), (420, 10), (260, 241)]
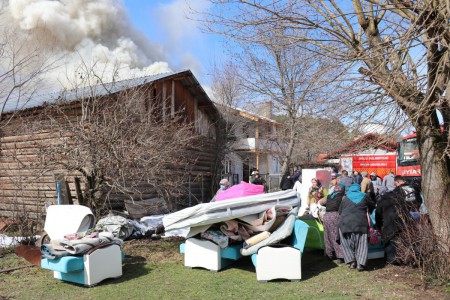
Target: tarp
[(213, 212), (240, 190)]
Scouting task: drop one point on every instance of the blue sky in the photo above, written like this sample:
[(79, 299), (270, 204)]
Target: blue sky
[(165, 23)]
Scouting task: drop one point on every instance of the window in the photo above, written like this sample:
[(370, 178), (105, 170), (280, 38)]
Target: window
[(227, 166)]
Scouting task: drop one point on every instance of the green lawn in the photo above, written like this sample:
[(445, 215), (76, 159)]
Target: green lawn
[(154, 270)]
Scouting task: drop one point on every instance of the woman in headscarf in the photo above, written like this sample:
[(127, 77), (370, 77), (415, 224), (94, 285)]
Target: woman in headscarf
[(354, 227), (224, 184), (331, 221), (316, 192)]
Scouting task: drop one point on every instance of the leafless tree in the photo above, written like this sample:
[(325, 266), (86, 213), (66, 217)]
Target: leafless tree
[(227, 95), (397, 60), (272, 68), (119, 144), (320, 136), (21, 69)]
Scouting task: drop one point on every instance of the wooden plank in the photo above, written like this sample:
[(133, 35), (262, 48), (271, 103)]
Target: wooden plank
[(25, 201)]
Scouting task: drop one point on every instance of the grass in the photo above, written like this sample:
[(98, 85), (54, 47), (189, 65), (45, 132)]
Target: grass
[(154, 270)]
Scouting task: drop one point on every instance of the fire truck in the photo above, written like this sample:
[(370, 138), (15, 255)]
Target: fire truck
[(404, 161), (408, 160)]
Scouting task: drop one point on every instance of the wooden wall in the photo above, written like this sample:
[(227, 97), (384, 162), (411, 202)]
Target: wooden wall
[(25, 188)]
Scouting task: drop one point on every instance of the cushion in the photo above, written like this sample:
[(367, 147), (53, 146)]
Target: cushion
[(64, 264)]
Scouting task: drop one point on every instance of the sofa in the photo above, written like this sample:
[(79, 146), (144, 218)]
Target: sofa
[(90, 268), (282, 261), (206, 254)]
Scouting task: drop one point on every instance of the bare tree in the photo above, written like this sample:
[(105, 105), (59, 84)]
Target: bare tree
[(320, 136), (399, 49), (119, 144), (228, 95), (272, 69), (21, 72)]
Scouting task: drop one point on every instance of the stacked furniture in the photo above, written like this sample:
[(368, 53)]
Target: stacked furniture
[(282, 261), (89, 268)]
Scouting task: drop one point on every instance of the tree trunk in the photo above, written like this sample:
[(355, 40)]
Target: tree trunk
[(435, 181), (289, 151)]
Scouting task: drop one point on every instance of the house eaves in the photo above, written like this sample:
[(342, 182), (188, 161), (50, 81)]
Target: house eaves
[(185, 76)]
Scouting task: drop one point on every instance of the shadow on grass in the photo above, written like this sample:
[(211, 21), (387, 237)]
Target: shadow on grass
[(315, 262), (243, 264), (133, 267), (376, 264)]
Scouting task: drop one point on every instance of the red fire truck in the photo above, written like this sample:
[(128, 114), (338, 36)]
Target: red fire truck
[(408, 163), (405, 161)]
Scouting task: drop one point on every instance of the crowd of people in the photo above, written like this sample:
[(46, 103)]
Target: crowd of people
[(345, 206)]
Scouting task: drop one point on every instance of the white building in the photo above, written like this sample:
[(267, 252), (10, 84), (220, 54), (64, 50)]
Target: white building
[(256, 146)]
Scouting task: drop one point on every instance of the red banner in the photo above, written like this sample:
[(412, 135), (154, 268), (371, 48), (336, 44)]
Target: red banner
[(372, 158), (374, 164)]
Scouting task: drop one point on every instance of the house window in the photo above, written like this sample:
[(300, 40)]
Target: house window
[(277, 166), (227, 166), (246, 130)]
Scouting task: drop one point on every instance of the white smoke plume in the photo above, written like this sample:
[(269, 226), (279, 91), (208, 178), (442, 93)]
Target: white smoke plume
[(86, 36)]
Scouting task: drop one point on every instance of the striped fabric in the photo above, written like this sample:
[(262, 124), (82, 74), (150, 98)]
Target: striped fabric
[(355, 247)]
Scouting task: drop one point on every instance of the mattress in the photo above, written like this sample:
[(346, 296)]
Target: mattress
[(281, 233), (205, 214)]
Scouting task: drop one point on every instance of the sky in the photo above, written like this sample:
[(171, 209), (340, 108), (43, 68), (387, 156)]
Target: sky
[(170, 24), (111, 39)]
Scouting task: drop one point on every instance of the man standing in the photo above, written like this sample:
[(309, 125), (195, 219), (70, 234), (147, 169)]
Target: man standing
[(376, 182), (393, 215), (388, 181), (257, 179), (365, 183), (346, 180), (333, 183), (296, 175)]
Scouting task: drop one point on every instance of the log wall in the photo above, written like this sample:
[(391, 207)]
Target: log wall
[(25, 187)]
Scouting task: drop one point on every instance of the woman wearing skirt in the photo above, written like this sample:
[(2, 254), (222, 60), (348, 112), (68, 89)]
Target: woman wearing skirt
[(331, 221), (354, 227)]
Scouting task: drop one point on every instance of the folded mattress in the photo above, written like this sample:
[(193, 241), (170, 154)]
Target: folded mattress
[(213, 212)]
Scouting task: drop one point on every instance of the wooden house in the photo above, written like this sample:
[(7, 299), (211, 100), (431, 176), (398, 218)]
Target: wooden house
[(25, 188)]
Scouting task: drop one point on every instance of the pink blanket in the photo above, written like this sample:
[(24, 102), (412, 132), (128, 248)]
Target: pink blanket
[(240, 190)]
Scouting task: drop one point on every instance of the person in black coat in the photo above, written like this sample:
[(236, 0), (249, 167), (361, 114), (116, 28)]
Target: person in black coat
[(297, 175), (354, 226), (286, 183), (394, 213)]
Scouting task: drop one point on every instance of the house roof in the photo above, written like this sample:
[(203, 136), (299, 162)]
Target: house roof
[(364, 142), (249, 115), (255, 117), (186, 76)]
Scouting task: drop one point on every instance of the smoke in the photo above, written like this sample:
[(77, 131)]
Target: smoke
[(86, 37)]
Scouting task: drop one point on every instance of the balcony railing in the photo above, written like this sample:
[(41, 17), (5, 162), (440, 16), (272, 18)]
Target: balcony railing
[(254, 144)]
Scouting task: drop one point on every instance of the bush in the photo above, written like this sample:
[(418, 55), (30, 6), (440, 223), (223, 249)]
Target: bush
[(419, 247)]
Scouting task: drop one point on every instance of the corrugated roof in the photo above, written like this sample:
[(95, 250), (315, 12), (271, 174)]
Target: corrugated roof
[(89, 91)]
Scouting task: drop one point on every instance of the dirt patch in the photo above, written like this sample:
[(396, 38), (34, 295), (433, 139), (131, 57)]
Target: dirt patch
[(410, 277)]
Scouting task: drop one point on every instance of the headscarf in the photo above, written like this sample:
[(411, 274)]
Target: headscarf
[(316, 191), (316, 188), (338, 189), (354, 193)]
